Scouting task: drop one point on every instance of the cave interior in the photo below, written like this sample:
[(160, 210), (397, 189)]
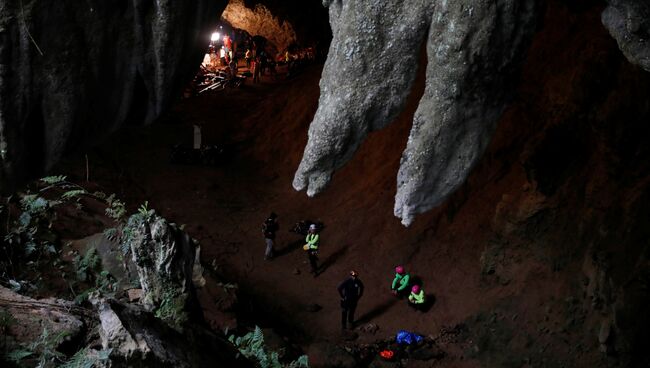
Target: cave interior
[(498, 152)]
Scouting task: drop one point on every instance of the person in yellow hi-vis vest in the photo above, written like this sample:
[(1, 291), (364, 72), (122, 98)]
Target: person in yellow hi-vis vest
[(311, 247), (417, 298)]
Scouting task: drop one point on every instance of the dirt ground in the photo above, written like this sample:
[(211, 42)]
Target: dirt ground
[(223, 207), (509, 289)]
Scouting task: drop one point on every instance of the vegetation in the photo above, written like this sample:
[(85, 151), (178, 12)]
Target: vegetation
[(30, 243), (43, 353), (252, 346)]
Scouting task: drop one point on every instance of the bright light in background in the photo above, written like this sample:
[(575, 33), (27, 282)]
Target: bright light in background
[(215, 36)]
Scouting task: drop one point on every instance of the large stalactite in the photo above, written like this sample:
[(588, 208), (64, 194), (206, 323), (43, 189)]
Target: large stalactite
[(472, 51)]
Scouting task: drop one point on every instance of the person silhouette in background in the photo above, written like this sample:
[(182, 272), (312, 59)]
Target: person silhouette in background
[(350, 290), (269, 228)]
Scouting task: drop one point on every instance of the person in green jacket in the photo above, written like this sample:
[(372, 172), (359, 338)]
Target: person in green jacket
[(311, 247), (400, 282), (417, 297)]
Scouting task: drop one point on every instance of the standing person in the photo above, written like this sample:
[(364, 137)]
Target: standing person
[(350, 290), (269, 228), (257, 70), (247, 56), (311, 247), (400, 282)]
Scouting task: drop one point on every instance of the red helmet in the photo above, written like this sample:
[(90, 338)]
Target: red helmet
[(415, 289), (399, 269)]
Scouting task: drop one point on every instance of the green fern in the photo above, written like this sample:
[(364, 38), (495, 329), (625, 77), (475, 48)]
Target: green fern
[(55, 179), (73, 193), (33, 204), (252, 346), (116, 208), (302, 362), (111, 233), (81, 360)]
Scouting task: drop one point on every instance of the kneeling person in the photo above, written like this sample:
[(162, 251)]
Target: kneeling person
[(417, 297)]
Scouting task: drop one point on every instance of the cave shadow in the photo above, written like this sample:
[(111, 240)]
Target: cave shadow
[(377, 311), (332, 259), (297, 244), (428, 302)]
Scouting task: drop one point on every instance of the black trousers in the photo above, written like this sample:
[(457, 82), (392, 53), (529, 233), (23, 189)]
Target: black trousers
[(313, 260), (347, 312)]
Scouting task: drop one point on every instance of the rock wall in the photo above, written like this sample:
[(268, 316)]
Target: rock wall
[(258, 20), (472, 51), (72, 72), (628, 21)]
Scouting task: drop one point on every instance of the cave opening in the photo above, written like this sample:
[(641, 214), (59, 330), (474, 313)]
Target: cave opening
[(538, 257)]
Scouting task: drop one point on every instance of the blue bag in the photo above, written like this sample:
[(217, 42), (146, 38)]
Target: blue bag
[(408, 338)]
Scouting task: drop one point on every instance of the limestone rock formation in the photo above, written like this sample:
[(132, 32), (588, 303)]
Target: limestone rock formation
[(73, 72), (628, 21), (135, 337), (166, 259), (260, 21), (472, 50)]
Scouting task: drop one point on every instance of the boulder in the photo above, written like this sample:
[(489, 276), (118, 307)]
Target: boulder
[(137, 338), (27, 318), (166, 261)]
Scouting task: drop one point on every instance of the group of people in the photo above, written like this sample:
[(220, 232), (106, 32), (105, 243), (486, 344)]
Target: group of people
[(402, 286), (351, 289), (258, 63), (312, 240)]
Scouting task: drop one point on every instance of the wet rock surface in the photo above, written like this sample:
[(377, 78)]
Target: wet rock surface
[(472, 51), (628, 21)]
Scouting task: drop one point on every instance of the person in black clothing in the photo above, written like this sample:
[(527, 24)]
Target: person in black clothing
[(350, 291), (269, 228)]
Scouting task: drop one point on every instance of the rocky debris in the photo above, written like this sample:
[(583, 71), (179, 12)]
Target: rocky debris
[(70, 74), (628, 21), (604, 335), (349, 335), (512, 212), (326, 355), (472, 50), (134, 295), (136, 335), (599, 287), (218, 302), (280, 344), (427, 351), (369, 328), (27, 318), (451, 334)]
